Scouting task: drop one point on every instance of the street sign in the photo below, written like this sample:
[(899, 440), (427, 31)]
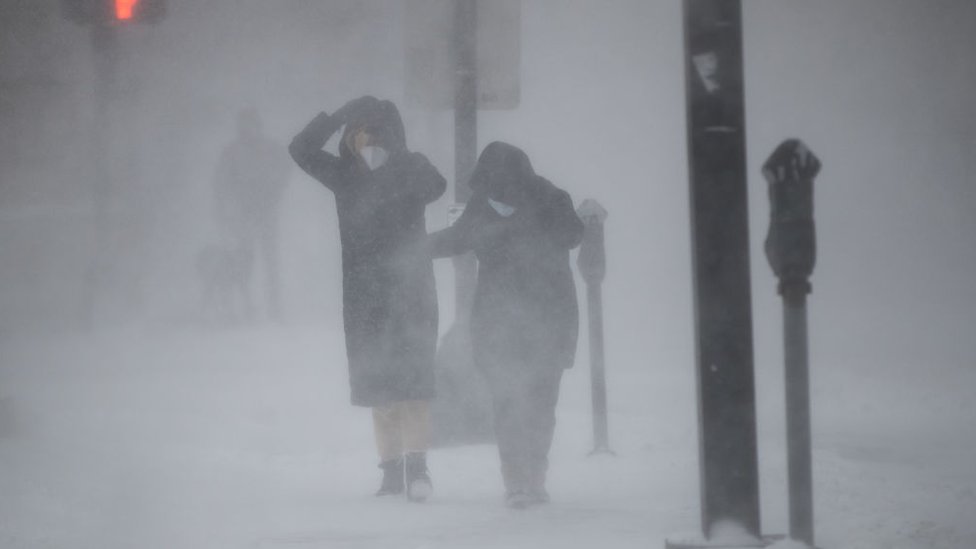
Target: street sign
[(430, 67)]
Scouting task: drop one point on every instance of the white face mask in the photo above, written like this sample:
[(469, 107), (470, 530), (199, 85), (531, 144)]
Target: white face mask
[(502, 208), (374, 156)]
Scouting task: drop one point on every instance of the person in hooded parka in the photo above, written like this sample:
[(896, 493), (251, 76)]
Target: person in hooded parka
[(249, 185), (524, 318), (389, 301)]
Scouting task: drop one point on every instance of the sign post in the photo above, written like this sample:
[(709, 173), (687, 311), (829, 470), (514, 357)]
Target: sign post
[(465, 138), (462, 55), (728, 464)]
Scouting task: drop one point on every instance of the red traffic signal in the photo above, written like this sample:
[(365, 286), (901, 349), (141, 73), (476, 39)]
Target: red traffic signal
[(124, 9), (107, 12)]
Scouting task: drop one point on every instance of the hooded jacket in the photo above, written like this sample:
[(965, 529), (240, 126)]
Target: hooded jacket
[(525, 312), (389, 300)]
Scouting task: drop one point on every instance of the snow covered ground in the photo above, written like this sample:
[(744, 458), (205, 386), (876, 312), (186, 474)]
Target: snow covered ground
[(244, 438)]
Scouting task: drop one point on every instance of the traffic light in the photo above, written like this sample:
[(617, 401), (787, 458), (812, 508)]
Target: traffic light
[(108, 12)]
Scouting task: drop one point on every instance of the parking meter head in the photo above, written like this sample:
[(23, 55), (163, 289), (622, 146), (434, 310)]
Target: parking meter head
[(590, 211), (592, 258), (791, 241)]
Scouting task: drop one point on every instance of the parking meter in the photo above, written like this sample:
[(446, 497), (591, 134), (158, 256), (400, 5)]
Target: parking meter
[(791, 241), (791, 249), (592, 260), (592, 263)]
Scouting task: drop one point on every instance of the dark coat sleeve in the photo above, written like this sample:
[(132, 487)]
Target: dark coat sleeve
[(306, 149), (424, 182), (558, 219), (459, 237), (420, 182)]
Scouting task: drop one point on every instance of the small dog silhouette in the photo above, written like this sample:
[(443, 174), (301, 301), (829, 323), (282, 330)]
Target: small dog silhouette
[(225, 277)]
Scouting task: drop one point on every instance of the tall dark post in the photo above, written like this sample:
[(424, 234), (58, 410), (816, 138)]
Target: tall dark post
[(465, 137), (792, 252), (462, 411), (105, 18), (105, 48), (592, 263), (720, 242)]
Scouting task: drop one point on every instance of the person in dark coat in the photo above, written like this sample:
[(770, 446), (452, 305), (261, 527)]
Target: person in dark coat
[(524, 319), (389, 301), (248, 188)]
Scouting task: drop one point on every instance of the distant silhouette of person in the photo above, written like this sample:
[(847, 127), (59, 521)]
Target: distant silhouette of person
[(250, 182), (524, 318), (389, 301)]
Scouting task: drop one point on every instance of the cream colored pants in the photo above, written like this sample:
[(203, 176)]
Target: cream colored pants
[(401, 427)]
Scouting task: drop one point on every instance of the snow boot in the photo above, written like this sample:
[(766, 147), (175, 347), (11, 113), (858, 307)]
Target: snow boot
[(418, 482), (392, 477), (536, 484), (537, 495)]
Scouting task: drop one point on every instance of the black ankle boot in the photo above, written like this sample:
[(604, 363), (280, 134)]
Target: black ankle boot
[(392, 477), (418, 482)]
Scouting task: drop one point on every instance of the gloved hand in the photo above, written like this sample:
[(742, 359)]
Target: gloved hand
[(355, 108)]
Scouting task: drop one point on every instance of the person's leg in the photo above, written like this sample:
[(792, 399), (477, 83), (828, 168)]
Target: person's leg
[(507, 408), (243, 273), (543, 394), (415, 425), (269, 256), (415, 434), (386, 427)]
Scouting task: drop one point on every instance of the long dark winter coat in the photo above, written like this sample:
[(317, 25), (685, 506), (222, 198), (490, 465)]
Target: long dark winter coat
[(524, 312), (389, 301)]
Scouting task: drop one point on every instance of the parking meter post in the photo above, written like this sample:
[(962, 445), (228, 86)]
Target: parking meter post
[(592, 266), (598, 383), (791, 250), (798, 417)]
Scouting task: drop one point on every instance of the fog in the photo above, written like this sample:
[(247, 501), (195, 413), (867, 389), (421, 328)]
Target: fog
[(130, 415)]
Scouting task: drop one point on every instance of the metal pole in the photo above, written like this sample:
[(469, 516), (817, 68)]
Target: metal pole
[(465, 137), (598, 379), (798, 416), (105, 48), (461, 413), (720, 239), (792, 251)]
